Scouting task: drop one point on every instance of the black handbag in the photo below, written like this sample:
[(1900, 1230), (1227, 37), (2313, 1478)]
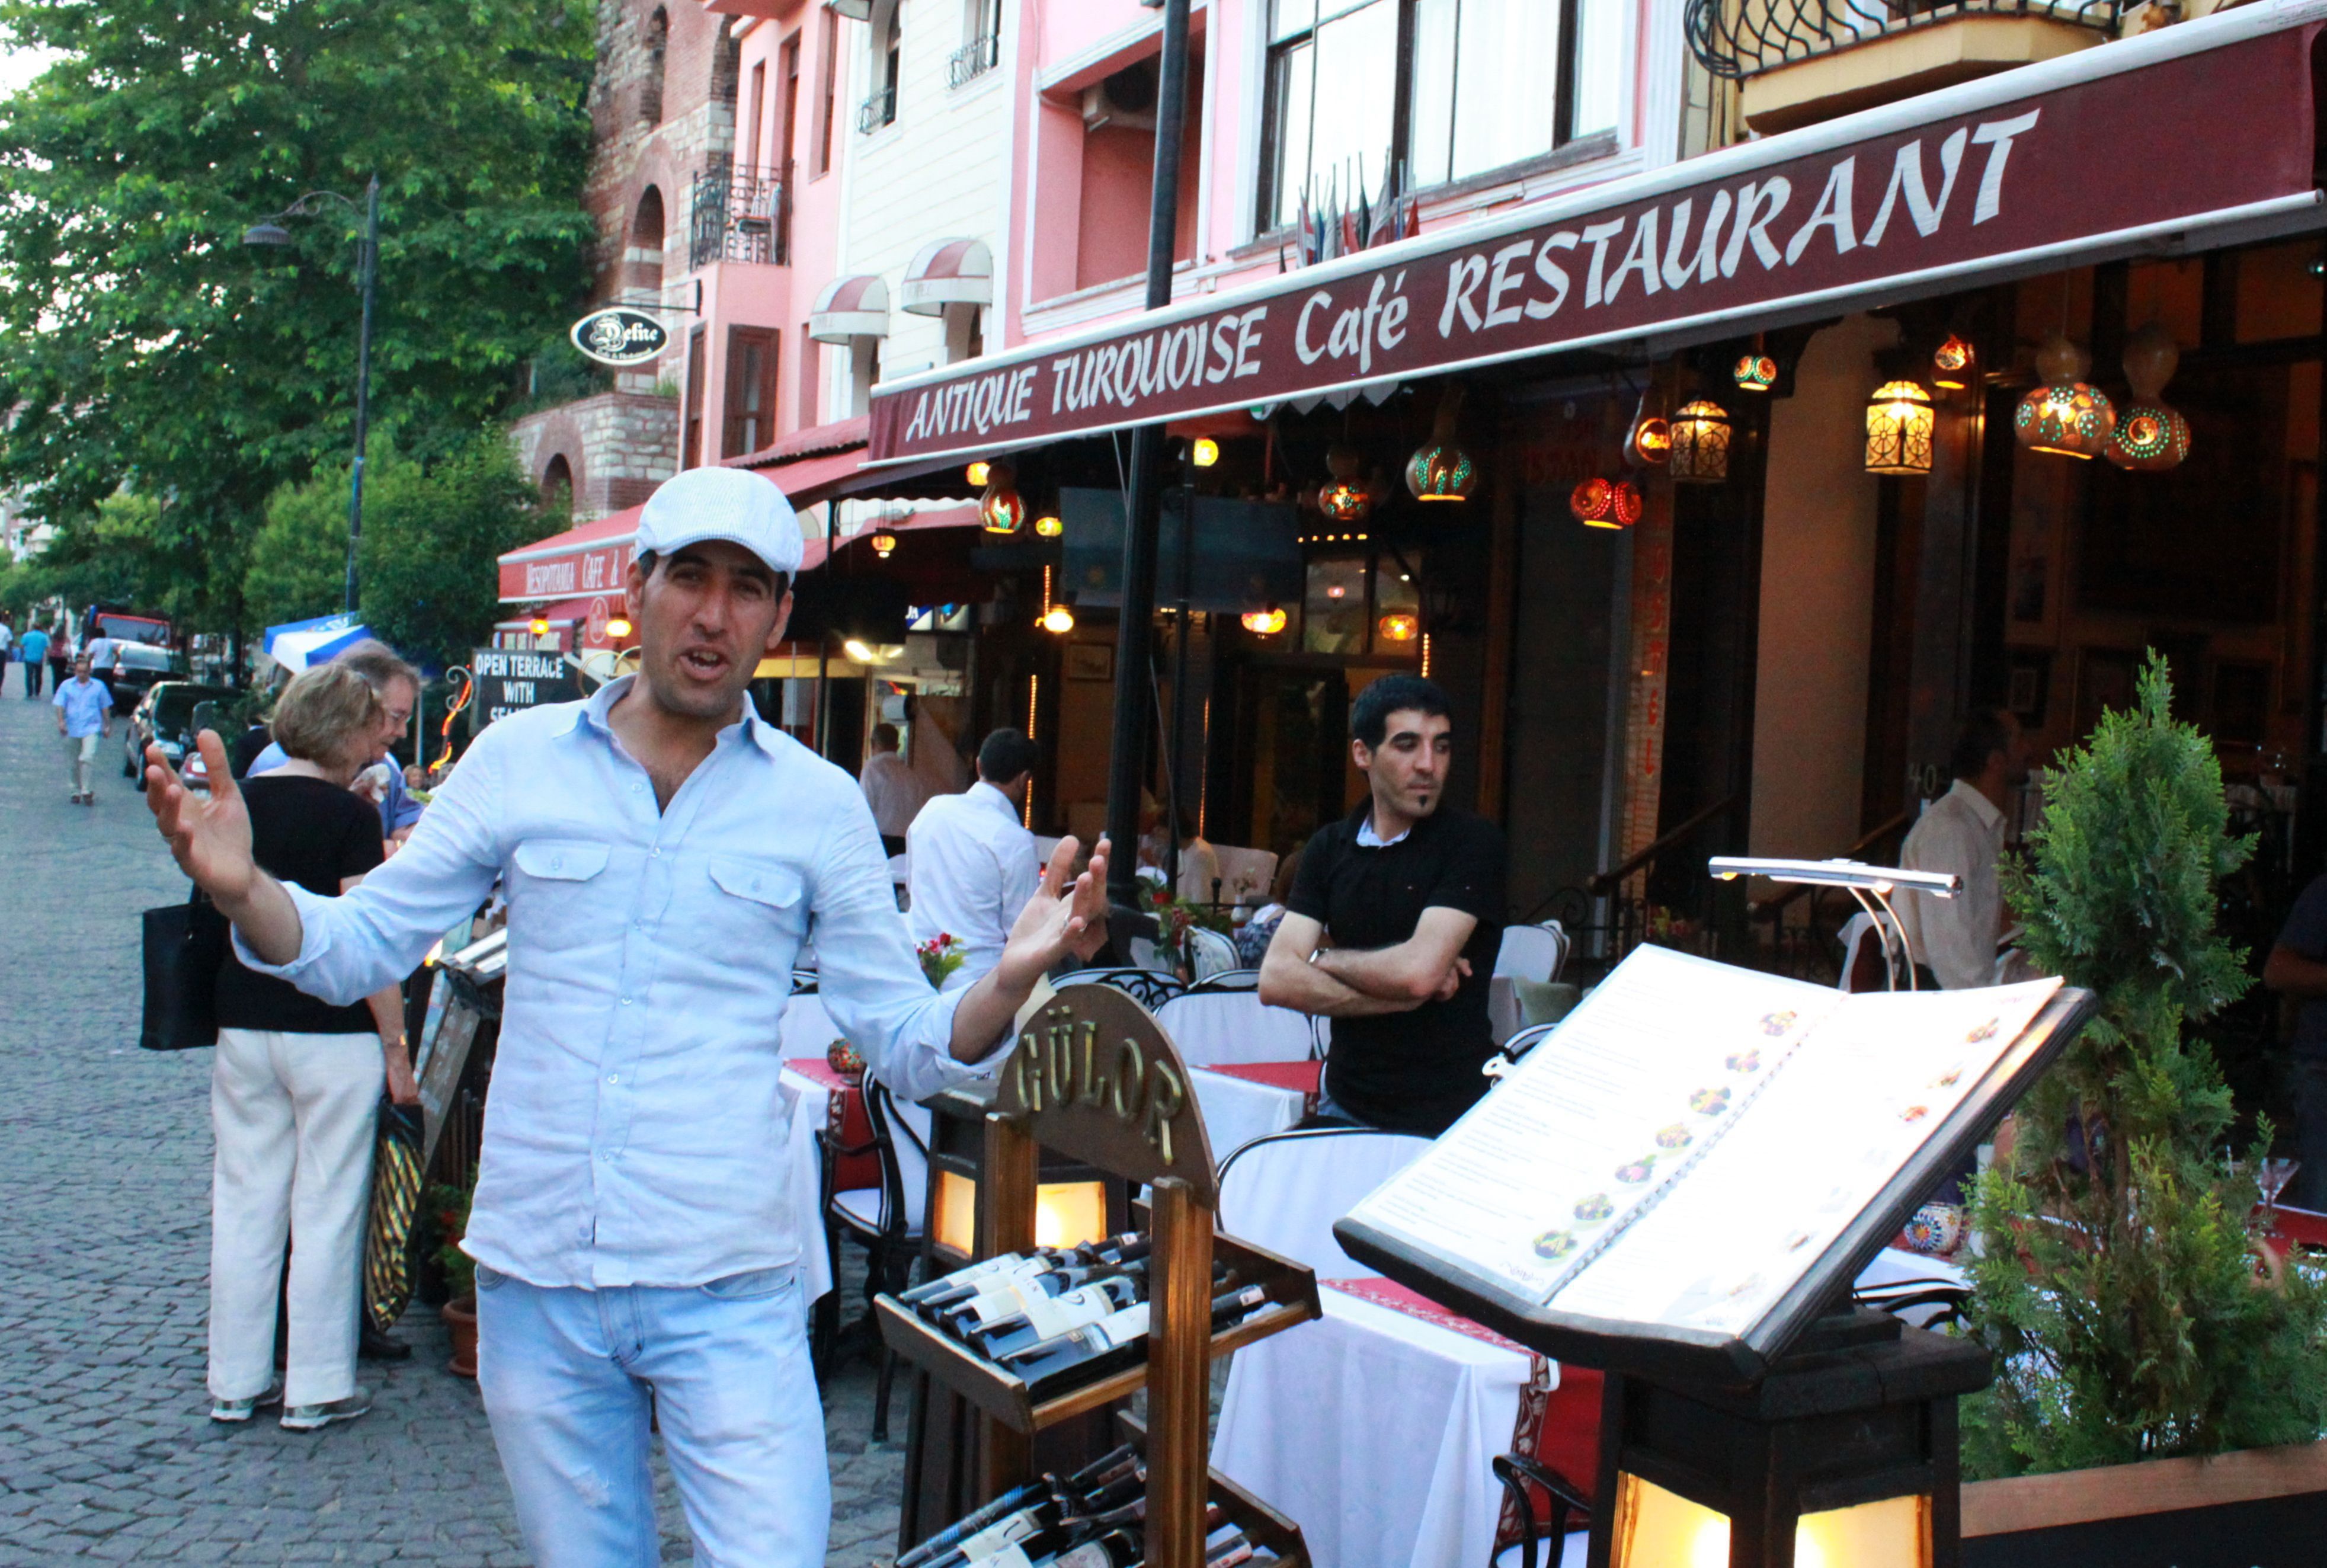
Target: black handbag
[(184, 946)]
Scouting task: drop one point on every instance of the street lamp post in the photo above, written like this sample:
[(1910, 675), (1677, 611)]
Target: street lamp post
[(270, 231)]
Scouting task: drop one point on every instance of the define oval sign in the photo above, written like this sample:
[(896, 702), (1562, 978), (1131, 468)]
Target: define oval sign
[(621, 337)]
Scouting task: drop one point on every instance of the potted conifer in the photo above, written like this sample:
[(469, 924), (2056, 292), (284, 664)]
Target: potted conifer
[(2118, 1286)]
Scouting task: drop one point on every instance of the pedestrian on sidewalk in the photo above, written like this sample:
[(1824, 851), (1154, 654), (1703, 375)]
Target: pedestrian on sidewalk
[(295, 1089), (664, 852), (84, 717), (33, 649)]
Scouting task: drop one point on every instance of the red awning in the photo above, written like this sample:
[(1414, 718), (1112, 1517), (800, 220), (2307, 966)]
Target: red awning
[(587, 560), (592, 611), (2048, 166), (948, 272), (903, 523)]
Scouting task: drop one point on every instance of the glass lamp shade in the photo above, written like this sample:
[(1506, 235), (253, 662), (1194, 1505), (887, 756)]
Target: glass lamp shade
[(1441, 472), (882, 544), (1266, 622), (1398, 626), (1050, 528), (2068, 418), (1655, 1528), (1066, 1213), (1651, 442), (1002, 509), (1700, 444), (1600, 503), (1755, 373), (1899, 422), (1951, 364), (2149, 438), (1345, 500)]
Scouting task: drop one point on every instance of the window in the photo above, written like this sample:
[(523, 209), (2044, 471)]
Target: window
[(657, 42), (828, 107), (1363, 605), (1489, 83), (981, 42), (880, 105), (749, 153), (811, 366), (691, 453), (750, 423), (788, 106)]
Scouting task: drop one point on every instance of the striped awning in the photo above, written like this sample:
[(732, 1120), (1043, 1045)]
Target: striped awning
[(850, 307), (948, 272)]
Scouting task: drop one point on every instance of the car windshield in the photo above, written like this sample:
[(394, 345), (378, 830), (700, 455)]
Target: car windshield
[(174, 704), (140, 655)]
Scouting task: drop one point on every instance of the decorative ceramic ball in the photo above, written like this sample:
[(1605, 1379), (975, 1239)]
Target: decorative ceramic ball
[(2071, 418), (1345, 500), (1600, 503), (843, 1059), (2149, 438)]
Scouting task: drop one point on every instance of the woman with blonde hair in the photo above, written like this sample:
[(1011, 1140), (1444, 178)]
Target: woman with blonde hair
[(294, 1091)]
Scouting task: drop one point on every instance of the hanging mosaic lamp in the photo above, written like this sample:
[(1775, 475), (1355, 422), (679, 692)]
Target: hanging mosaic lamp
[(2150, 437), (1951, 364), (1899, 422), (1266, 622), (1755, 372), (1002, 509), (1441, 470), (2065, 416), (1600, 503), (1700, 443), (1345, 497), (1649, 442), (1398, 626)]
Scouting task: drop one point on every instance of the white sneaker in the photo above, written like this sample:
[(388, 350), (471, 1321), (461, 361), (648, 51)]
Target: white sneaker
[(237, 1410), (315, 1417)]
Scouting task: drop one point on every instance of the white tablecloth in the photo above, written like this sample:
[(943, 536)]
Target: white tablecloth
[(804, 1167), (1237, 1110)]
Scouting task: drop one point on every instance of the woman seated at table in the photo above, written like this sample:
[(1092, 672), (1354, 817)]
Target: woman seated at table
[(1252, 936)]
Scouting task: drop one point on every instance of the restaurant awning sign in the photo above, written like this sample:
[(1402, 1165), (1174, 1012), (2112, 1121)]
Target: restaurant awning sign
[(621, 337), (2152, 142)]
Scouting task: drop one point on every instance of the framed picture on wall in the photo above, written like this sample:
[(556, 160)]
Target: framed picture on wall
[(2029, 682), (1091, 660)]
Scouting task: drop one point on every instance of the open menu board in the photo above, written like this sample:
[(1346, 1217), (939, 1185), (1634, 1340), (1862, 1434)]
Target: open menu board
[(1701, 1155)]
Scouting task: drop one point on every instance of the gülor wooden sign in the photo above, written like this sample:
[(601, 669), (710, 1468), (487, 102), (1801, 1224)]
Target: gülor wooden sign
[(1095, 1076)]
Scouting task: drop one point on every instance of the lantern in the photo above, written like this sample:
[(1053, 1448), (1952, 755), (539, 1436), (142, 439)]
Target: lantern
[(1648, 442), (1600, 503), (1002, 509), (2150, 437), (977, 473), (538, 626), (1266, 622), (1951, 364), (1050, 528), (1755, 373), (1344, 497), (882, 543), (2066, 415), (1057, 619), (1203, 452), (1898, 420), (1398, 626), (618, 627), (1440, 470), (1700, 444)]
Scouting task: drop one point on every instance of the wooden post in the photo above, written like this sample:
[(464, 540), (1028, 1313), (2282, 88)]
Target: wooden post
[(1179, 1375), (1005, 1223)]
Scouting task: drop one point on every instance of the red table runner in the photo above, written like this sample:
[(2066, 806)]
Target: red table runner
[(1397, 1298), (845, 1123), (1278, 1075)]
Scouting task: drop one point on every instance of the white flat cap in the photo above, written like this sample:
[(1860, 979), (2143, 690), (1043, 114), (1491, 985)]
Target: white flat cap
[(722, 503)]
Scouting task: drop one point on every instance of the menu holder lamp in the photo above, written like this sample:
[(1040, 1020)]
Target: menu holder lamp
[(1871, 885)]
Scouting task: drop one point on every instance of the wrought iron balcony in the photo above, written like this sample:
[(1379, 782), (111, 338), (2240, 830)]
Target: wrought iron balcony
[(880, 109), (1744, 38), (973, 59), (740, 214)]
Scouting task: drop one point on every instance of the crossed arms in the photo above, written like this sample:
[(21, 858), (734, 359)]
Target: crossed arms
[(1302, 973)]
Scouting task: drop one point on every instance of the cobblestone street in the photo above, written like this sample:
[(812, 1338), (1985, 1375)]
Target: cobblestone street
[(105, 1448)]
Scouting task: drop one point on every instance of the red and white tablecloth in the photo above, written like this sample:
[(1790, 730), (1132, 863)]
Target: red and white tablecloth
[(816, 1083), (1243, 1101)]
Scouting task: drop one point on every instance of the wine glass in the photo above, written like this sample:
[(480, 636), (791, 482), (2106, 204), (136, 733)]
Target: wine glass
[(2271, 1175)]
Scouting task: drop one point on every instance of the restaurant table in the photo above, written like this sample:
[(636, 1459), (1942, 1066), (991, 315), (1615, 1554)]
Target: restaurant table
[(1243, 1101)]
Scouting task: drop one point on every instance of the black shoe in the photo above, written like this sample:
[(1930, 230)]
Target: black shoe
[(371, 1345)]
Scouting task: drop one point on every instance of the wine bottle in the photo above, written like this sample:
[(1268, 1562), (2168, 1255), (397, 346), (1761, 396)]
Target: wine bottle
[(1048, 1317), (1035, 1532), (1109, 1466), (1112, 1343), (966, 1281), (1011, 1297), (1015, 1501), (1115, 1549)]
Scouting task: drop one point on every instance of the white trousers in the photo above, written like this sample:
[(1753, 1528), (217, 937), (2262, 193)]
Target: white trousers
[(296, 1116), (80, 762)]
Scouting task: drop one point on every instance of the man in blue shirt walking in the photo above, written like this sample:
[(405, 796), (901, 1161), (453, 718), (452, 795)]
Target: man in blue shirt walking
[(33, 649), (84, 718), (665, 853)]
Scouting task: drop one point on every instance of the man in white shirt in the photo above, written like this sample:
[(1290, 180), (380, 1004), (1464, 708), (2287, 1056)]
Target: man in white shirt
[(890, 789), (664, 852), (974, 864), (1962, 832)]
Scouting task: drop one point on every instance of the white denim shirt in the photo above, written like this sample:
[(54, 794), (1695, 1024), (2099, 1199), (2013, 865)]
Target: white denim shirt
[(636, 1132), (974, 867)]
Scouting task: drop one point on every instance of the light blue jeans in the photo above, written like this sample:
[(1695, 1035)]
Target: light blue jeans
[(567, 1373)]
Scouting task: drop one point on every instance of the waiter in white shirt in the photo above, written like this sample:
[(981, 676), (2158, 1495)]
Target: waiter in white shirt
[(974, 864), (1962, 832), (890, 788), (664, 852)]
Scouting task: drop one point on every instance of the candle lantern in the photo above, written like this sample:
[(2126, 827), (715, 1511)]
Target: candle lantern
[(1600, 503), (1899, 422), (2065, 416), (882, 543), (2150, 437), (1440, 470), (1700, 444), (1002, 509)]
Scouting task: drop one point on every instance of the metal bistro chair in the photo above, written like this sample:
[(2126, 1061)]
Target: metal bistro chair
[(1210, 953), (1151, 988), (1227, 980), (886, 1220)]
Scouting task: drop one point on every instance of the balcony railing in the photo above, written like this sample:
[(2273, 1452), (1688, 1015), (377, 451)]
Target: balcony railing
[(740, 214), (1744, 38), (973, 59), (880, 109)]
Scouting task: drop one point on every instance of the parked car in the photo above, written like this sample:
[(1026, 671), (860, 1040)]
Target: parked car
[(165, 717), (136, 667)]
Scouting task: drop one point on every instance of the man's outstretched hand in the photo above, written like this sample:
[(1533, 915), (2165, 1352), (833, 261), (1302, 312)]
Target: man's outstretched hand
[(211, 838)]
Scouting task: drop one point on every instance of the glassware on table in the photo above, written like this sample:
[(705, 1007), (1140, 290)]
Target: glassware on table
[(2272, 1174)]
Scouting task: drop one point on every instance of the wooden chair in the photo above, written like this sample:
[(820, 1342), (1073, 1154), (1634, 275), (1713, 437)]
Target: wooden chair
[(886, 1220)]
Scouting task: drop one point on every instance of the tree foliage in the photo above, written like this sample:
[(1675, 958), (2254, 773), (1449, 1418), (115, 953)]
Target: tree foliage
[(2119, 1286), (143, 344), (427, 572)]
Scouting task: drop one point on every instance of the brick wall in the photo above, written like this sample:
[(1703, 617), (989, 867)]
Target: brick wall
[(618, 446)]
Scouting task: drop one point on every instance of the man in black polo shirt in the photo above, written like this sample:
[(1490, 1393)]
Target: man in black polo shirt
[(1393, 924)]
